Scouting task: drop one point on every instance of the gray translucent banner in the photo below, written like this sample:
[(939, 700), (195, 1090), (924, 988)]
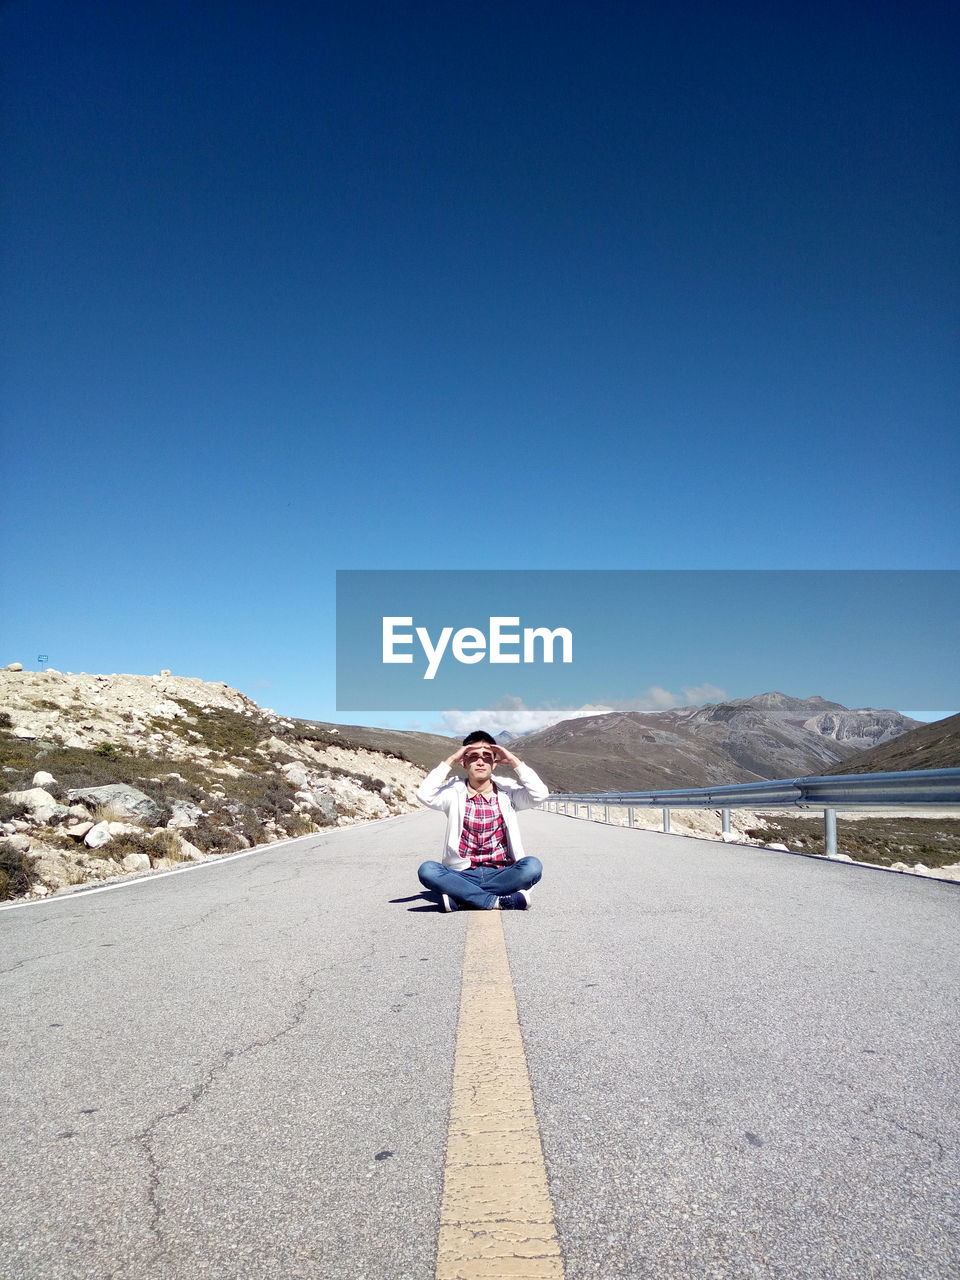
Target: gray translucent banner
[(434, 640)]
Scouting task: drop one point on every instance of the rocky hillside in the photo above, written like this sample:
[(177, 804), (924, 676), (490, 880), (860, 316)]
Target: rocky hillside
[(744, 740), (930, 746), (104, 774), (423, 749)]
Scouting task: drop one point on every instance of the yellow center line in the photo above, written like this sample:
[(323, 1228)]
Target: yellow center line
[(496, 1217)]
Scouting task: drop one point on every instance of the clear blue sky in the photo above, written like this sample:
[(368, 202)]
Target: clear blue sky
[(298, 287)]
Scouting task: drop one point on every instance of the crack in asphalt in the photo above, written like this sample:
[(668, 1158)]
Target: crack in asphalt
[(144, 1137), (30, 960), (914, 1133), (219, 906)]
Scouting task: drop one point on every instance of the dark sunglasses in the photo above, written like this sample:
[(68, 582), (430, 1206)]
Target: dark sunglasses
[(479, 755)]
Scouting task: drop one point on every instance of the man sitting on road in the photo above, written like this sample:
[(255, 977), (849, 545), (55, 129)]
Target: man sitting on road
[(483, 862)]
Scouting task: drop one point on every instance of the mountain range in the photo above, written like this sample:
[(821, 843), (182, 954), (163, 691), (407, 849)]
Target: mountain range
[(770, 735)]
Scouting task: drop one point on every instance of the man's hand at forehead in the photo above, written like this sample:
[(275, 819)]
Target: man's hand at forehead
[(489, 752)]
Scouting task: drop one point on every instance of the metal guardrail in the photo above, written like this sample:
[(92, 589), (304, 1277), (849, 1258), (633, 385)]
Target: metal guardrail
[(926, 788)]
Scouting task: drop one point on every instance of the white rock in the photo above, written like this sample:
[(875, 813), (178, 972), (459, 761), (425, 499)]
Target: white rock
[(782, 847), (42, 806), (14, 666), (34, 798), (79, 830), (296, 774), (190, 851), (98, 836), (43, 779), (185, 814), (20, 842), (123, 828), (136, 862)]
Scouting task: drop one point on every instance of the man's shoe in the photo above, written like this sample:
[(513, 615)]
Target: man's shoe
[(519, 901), (447, 903)]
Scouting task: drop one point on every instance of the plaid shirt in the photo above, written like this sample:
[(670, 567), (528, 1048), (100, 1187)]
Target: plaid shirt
[(484, 837)]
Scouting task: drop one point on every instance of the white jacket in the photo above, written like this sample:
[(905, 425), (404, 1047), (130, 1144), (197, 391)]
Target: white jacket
[(450, 796)]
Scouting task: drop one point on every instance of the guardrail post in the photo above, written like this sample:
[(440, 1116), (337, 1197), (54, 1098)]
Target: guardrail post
[(830, 831), (666, 820), (606, 813), (725, 821), (630, 815)]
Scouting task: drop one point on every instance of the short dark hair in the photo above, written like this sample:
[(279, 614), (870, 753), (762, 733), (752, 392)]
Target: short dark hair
[(479, 735)]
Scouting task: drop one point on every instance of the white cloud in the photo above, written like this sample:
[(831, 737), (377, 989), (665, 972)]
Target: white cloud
[(703, 693), (514, 715)]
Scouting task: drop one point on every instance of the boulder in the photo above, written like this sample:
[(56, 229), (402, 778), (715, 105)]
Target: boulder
[(327, 805), (20, 842), (126, 802), (296, 774), (42, 806), (42, 779), (136, 862), (185, 814), (14, 666), (79, 829), (98, 836), (33, 798), (189, 852)]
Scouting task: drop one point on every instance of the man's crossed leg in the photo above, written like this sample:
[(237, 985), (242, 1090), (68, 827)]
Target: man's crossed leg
[(481, 887)]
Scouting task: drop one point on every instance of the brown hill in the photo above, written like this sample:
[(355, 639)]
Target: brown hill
[(425, 750), (931, 746), (753, 739)]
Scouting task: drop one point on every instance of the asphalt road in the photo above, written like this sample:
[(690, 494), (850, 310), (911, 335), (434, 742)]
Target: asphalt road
[(743, 1063)]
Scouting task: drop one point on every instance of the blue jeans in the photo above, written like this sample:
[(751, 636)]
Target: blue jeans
[(480, 886)]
